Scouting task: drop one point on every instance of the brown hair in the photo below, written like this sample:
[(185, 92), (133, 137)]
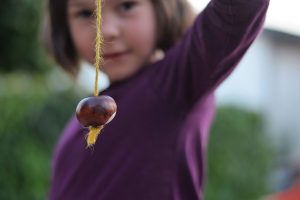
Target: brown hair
[(173, 18)]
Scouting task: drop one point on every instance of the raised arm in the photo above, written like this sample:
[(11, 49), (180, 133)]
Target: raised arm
[(209, 51)]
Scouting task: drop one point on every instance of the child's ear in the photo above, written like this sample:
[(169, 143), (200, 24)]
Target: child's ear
[(157, 55)]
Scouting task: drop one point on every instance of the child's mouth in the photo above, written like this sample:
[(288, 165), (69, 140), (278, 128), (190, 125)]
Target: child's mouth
[(114, 55)]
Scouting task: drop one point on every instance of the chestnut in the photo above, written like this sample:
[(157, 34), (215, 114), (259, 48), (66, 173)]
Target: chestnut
[(96, 111)]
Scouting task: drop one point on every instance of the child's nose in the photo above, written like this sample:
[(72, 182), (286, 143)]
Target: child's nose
[(110, 30)]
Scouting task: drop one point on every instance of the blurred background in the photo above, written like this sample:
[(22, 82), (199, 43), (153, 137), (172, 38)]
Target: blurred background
[(253, 150)]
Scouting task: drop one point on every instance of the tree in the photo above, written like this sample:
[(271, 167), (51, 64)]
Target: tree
[(19, 36)]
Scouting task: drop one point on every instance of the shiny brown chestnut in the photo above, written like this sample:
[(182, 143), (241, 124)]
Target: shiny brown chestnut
[(96, 111)]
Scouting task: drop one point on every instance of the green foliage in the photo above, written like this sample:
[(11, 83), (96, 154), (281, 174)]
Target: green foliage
[(239, 157), (31, 118), (19, 32)]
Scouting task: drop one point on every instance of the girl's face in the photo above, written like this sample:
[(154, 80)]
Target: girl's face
[(128, 29)]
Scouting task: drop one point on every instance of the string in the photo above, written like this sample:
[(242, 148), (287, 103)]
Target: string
[(99, 40), (94, 132), (92, 136)]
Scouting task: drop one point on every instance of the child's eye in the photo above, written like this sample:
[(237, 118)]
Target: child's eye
[(84, 13), (126, 6)]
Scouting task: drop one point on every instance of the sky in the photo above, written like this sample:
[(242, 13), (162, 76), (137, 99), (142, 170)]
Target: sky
[(283, 15)]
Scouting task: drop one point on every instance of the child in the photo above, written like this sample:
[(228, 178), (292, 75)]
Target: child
[(155, 147)]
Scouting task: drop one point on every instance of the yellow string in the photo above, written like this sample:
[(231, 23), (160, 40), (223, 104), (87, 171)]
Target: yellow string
[(93, 135), (99, 40), (95, 131)]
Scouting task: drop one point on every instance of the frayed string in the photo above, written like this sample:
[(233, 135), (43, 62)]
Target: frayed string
[(92, 136)]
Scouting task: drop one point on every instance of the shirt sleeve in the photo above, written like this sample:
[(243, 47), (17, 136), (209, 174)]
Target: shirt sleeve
[(209, 50)]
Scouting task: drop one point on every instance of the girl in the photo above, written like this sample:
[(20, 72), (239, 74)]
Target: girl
[(155, 147)]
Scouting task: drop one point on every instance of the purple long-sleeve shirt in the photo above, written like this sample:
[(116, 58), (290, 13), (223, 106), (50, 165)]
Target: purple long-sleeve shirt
[(155, 147)]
